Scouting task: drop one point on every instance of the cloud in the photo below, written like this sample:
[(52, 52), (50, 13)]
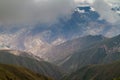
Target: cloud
[(113, 31), (84, 1), (47, 11), (104, 9), (44, 11)]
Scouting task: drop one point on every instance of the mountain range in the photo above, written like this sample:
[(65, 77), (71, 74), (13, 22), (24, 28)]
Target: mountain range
[(79, 48), (32, 63), (96, 72), (102, 52), (101, 57), (39, 38), (60, 52)]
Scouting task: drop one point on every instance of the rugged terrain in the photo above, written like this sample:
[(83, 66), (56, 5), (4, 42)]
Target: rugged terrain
[(96, 72)]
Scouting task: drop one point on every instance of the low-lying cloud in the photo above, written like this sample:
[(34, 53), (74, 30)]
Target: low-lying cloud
[(48, 11)]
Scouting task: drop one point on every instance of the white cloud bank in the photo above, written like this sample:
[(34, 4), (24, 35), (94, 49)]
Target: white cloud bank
[(104, 9), (44, 11), (13, 11)]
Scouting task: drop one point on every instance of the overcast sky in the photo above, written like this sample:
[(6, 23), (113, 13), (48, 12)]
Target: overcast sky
[(104, 9), (48, 11), (34, 10)]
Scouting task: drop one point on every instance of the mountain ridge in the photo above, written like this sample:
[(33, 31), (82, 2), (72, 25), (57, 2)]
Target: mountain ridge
[(12, 72), (35, 65), (96, 72), (103, 52), (65, 49)]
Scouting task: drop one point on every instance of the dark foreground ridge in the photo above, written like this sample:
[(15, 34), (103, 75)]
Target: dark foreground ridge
[(10, 72)]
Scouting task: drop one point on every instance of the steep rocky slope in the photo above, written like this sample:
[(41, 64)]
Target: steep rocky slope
[(105, 51)]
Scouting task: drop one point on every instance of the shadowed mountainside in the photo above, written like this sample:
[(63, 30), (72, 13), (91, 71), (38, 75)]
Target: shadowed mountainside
[(96, 72), (60, 52), (105, 51)]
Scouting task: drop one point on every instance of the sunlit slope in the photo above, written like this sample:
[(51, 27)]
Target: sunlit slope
[(9, 72), (42, 67)]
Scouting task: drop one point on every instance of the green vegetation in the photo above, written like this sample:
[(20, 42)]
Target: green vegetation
[(101, 52), (116, 78), (40, 67), (10, 72), (96, 72)]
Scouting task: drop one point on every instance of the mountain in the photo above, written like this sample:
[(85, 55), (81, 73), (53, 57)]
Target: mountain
[(10, 72), (105, 51), (39, 38), (96, 72), (60, 52), (116, 8), (83, 21), (42, 67), (79, 24)]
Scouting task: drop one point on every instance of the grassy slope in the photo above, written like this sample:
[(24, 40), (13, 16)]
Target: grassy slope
[(9, 72), (41, 67), (97, 72)]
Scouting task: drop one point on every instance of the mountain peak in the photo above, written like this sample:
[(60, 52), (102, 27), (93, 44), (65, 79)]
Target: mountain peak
[(93, 36), (84, 9), (116, 9)]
